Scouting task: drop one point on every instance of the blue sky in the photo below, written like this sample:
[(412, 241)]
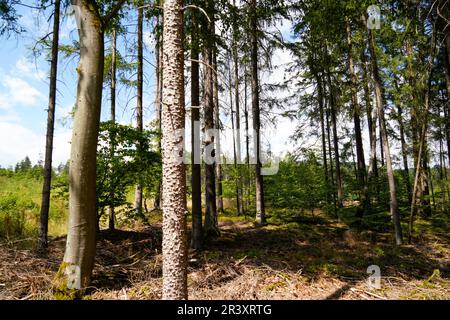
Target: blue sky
[(24, 92)]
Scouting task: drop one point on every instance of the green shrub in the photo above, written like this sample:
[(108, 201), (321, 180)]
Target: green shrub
[(16, 216)]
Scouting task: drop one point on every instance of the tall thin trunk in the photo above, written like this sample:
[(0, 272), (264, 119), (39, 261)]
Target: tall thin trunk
[(197, 232), (76, 269), (381, 143), (332, 99), (174, 246), (416, 97), (211, 225), (421, 165), (158, 108), (45, 204), (113, 118), (320, 99), (372, 125), (327, 113), (247, 138), (217, 127), (361, 165), (446, 59), (238, 114), (419, 168), (139, 107), (260, 209), (404, 152), (395, 214), (404, 146), (233, 129)]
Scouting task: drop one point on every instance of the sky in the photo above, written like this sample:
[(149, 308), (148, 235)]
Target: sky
[(24, 90)]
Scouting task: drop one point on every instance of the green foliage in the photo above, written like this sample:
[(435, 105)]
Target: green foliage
[(9, 17), (298, 184), (125, 157), (20, 199), (15, 213)]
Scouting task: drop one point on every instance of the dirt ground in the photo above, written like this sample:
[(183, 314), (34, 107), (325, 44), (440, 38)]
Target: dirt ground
[(309, 257)]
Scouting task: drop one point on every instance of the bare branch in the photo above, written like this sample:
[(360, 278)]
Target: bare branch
[(196, 7)]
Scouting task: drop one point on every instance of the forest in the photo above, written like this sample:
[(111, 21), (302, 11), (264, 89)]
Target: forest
[(225, 150)]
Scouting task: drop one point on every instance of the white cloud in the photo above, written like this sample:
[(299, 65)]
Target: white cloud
[(19, 142), (28, 69), (18, 91)]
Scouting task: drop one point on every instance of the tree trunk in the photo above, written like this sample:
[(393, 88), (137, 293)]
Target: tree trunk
[(361, 165), (381, 144), (76, 269), (247, 140), (260, 209), (332, 99), (404, 152), (197, 232), (233, 129), (404, 146), (139, 109), (327, 114), (159, 72), (446, 59), (174, 246), (113, 119), (238, 115), (211, 225), (421, 166), (320, 98), (372, 125), (217, 127), (390, 172), (45, 204)]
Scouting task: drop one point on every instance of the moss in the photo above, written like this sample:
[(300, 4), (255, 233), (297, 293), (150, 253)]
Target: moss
[(336, 270), (378, 251), (59, 286), (275, 285)]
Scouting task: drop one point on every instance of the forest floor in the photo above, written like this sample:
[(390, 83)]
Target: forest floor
[(295, 256)]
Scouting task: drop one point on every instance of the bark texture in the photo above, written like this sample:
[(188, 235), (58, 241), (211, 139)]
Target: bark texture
[(174, 245), (81, 237), (45, 204)]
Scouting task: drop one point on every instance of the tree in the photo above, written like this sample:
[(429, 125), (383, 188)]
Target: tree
[(361, 168), (197, 232), (9, 17), (76, 269), (140, 89), (211, 226), (238, 114), (113, 116), (260, 210), (174, 179), (45, 203), (395, 214), (118, 171)]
